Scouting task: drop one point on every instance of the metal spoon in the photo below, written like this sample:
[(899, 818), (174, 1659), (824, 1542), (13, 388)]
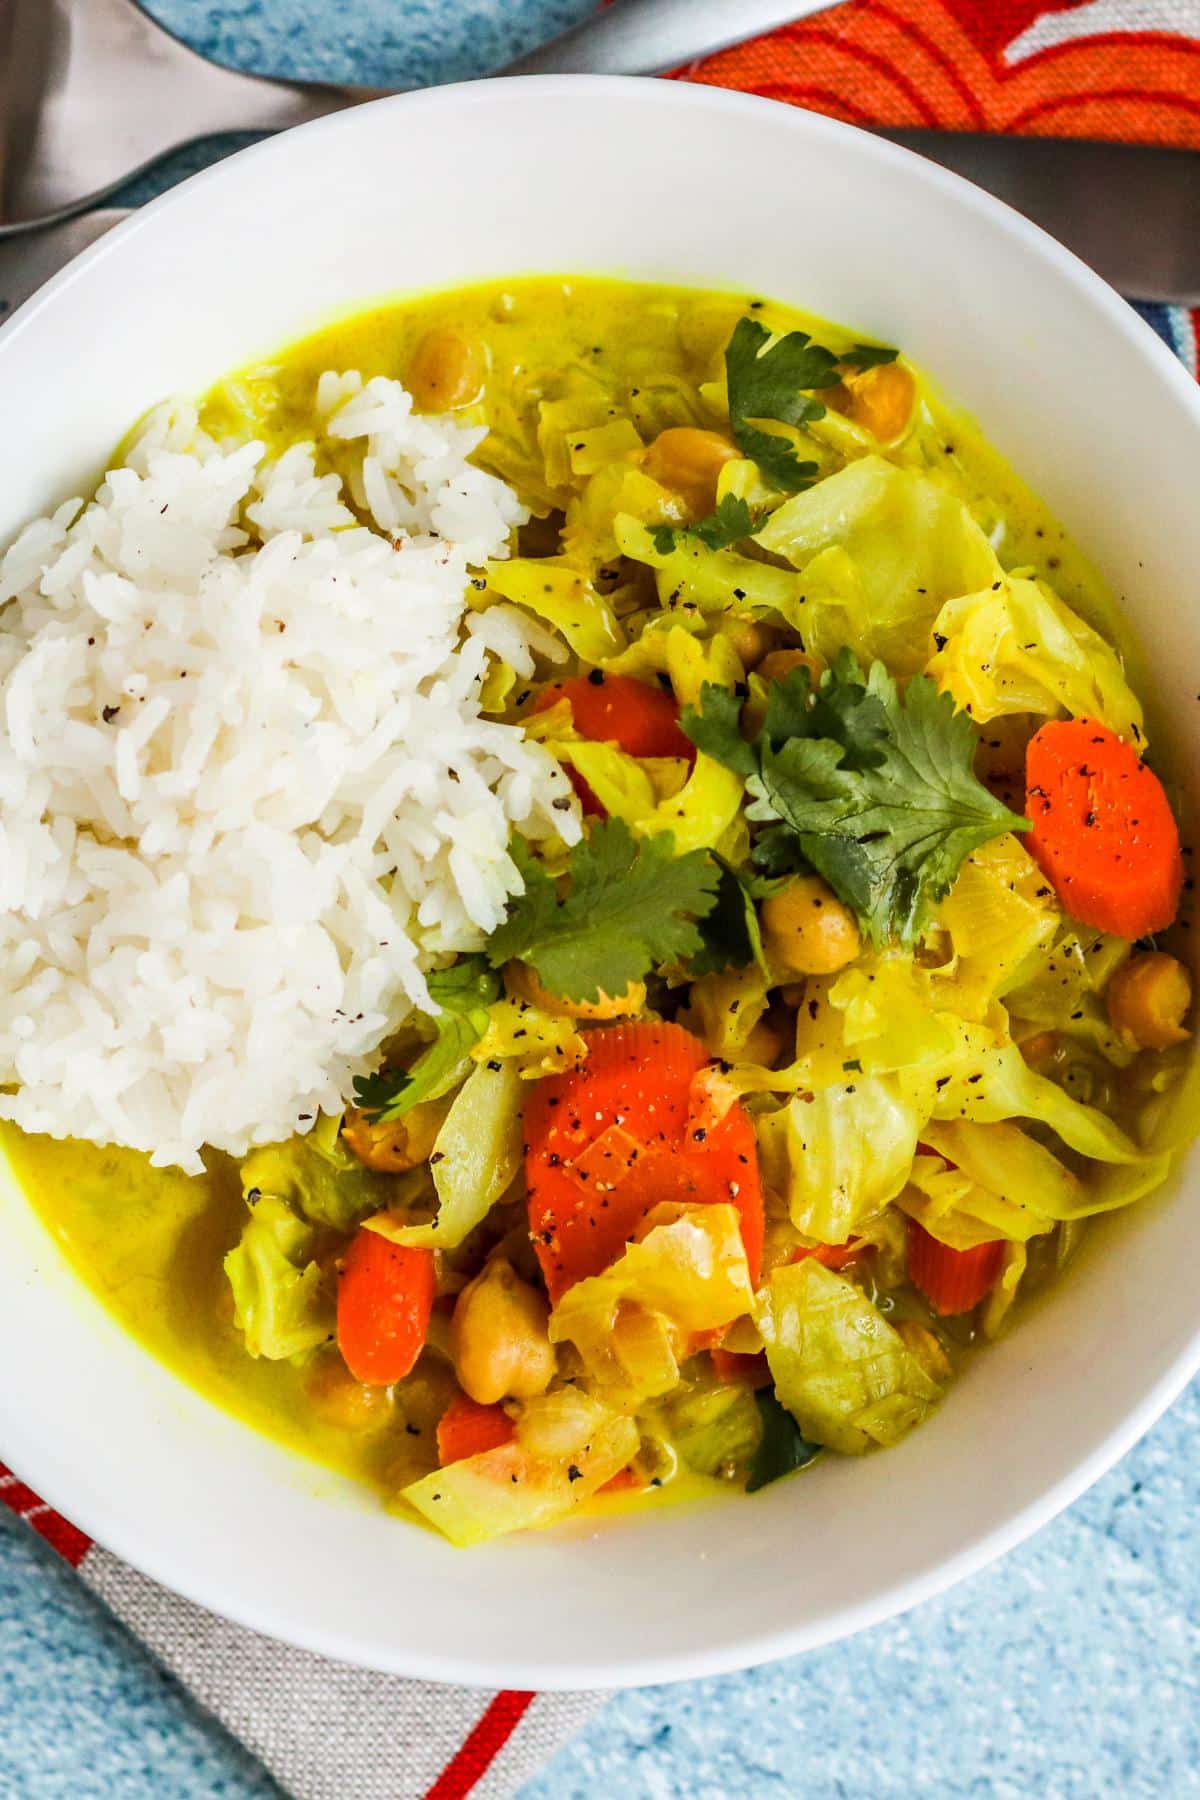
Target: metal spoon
[(93, 91)]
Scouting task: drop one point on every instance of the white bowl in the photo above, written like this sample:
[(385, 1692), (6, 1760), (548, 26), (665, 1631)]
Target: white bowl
[(693, 185)]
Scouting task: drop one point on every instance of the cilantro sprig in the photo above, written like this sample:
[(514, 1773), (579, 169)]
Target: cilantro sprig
[(731, 935), (782, 1448), (464, 994), (777, 381), (728, 524), (874, 791), (632, 905)]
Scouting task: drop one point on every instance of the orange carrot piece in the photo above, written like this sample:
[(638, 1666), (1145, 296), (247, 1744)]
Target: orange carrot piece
[(615, 709), (1103, 830), (609, 1141), (834, 1256), (953, 1281), (385, 1296), (621, 1482), (468, 1429)]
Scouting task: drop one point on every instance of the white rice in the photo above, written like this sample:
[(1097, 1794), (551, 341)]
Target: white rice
[(246, 794)]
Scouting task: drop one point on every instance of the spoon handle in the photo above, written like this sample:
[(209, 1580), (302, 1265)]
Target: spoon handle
[(631, 37), (643, 37)]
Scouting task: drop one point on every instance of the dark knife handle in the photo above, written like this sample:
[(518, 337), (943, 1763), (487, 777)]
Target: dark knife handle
[(1130, 210)]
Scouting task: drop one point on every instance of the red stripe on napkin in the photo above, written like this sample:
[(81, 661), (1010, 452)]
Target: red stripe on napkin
[(482, 1745), (470, 1762), (58, 1532)]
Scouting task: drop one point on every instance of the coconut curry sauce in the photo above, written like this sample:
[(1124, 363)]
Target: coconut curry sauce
[(150, 1243)]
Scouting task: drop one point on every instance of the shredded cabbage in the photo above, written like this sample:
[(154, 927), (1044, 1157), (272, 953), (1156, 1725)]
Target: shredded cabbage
[(1001, 916), (963, 1213), (999, 1302), (692, 578), (880, 549), (840, 1154), (847, 1378), (687, 1269), (475, 1158), (714, 1426), (567, 1446), (1008, 644), (724, 1008), (317, 1177), (535, 1042), (686, 659), (1063, 990), (283, 1303), (550, 587)]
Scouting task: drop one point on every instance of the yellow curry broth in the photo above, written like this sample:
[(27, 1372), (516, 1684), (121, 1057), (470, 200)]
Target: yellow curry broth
[(150, 1243)]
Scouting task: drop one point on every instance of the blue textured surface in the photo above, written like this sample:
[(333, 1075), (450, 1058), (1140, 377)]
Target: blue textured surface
[(1072, 1669)]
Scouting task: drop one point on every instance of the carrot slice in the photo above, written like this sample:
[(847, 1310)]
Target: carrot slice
[(385, 1296), (609, 1141), (622, 1482), (588, 803), (615, 709), (1103, 830), (953, 1281), (468, 1429), (834, 1256)]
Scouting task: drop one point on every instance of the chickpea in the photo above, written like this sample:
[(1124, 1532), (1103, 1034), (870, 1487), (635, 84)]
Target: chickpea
[(499, 1337), (688, 461), (807, 930), (750, 639), (1148, 1000), (765, 1043), (334, 1394), (927, 1349), (780, 663), (523, 984), (390, 1148), (446, 371), (1041, 1051), (881, 400)]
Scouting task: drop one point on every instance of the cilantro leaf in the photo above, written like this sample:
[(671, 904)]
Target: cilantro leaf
[(775, 383), (732, 938), (873, 791), (782, 1448), (868, 356), (464, 993), (729, 524), (632, 906), (717, 729)]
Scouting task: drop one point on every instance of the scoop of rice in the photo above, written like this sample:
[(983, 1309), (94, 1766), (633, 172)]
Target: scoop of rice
[(247, 796)]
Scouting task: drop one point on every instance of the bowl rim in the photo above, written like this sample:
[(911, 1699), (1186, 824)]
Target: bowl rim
[(51, 1473)]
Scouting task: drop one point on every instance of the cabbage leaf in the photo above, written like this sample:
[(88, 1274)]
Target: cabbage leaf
[(567, 1445), (318, 1178), (558, 593), (1001, 916), (284, 1304), (1010, 645), (880, 549), (535, 1042), (840, 1154), (475, 1158), (847, 1378), (687, 1268)]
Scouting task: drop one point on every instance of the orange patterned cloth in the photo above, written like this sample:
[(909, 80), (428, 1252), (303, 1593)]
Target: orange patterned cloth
[(1126, 69)]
